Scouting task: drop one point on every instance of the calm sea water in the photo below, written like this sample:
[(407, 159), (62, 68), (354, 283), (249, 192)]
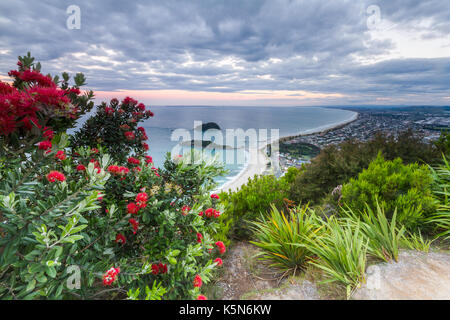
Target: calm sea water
[(288, 120)]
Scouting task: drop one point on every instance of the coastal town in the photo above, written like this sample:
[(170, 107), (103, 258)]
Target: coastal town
[(427, 121)]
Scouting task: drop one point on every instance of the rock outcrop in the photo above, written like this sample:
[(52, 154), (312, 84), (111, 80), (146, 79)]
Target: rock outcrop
[(416, 276)]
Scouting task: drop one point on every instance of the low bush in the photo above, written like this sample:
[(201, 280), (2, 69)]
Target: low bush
[(405, 188), (336, 165), (250, 201)]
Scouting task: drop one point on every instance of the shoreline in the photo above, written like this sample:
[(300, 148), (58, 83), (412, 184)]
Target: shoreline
[(260, 166)]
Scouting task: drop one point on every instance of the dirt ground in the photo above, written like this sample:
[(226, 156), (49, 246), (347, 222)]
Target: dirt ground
[(245, 277)]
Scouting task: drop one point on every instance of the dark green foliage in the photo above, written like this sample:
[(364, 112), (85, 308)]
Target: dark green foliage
[(405, 188), (251, 200), (335, 165), (109, 127)]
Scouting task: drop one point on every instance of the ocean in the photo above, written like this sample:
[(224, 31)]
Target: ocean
[(164, 128)]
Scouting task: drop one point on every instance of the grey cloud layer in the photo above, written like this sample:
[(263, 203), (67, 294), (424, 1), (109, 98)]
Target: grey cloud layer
[(227, 45)]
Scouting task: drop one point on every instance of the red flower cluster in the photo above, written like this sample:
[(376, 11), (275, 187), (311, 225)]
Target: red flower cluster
[(45, 145), (148, 159), (214, 196), (110, 276), (120, 238), (132, 160), (141, 200), (19, 109), (201, 297), (218, 261), (55, 175), (197, 281), (134, 224), (132, 208), (159, 268), (185, 210), (60, 155), (199, 237), (118, 170), (80, 167), (221, 247), (129, 135), (211, 212)]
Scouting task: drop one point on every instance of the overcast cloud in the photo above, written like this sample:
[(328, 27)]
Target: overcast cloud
[(321, 49)]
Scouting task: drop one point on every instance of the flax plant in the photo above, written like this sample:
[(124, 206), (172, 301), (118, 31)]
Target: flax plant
[(282, 237), (383, 234), (341, 252)]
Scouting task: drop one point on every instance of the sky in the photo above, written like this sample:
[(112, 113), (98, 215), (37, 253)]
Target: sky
[(239, 52)]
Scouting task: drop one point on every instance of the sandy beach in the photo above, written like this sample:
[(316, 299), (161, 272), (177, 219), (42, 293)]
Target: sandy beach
[(258, 159), (257, 162)]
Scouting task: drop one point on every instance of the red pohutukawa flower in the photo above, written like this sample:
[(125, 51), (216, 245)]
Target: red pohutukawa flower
[(80, 167), (110, 276), (129, 135), (199, 237), (155, 269), (221, 247), (201, 297), (45, 145), (148, 159), (120, 238), (211, 212), (162, 267), (141, 200), (60, 155), (197, 281), (49, 134), (129, 100), (218, 261), (214, 196), (145, 146), (135, 224), (132, 208), (54, 176), (185, 210), (132, 160), (118, 170), (159, 268)]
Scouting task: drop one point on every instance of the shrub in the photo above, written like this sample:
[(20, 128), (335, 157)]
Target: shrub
[(280, 237), (43, 221), (335, 165), (115, 127), (383, 235), (126, 226), (406, 188), (252, 199), (36, 103)]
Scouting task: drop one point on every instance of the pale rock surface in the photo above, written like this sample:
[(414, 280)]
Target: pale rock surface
[(416, 276)]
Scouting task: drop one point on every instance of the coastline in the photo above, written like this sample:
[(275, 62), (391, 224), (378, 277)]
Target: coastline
[(259, 165)]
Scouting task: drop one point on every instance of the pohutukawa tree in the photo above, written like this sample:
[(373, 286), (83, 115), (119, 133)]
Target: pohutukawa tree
[(76, 222)]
